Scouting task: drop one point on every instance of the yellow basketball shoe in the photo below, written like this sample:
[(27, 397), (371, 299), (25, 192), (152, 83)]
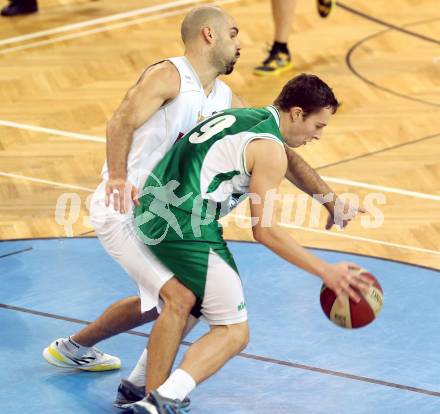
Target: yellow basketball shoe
[(58, 354), (277, 62), (325, 7)]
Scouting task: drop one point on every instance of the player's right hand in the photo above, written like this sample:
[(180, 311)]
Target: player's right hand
[(342, 279), (123, 194)]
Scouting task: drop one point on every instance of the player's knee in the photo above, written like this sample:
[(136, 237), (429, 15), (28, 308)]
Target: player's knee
[(181, 305), (238, 336), (177, 298)]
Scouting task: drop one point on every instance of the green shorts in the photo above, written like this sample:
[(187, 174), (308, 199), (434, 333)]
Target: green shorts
[(203, 264)]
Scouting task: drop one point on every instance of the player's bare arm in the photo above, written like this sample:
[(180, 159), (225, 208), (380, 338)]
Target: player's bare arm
[(158, 84), (267, 173), (303, 176)]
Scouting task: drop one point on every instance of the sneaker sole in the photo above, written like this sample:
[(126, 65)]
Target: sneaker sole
[(55, 358), (144, 408), (124, 406), (128, 405), (276, 72)]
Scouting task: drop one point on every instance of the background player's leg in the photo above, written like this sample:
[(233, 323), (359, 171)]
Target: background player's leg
[(283, 12), (279, 58)]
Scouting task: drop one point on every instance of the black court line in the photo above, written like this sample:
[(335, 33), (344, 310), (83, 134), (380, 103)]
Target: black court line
[(341, 374), (349, 63), (386, 24), (368, 154), (252, 356), (86, 233), (390, 26), (16, 252)]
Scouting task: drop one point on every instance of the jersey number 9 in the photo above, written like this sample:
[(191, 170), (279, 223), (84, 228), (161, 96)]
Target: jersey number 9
[(211, 128)]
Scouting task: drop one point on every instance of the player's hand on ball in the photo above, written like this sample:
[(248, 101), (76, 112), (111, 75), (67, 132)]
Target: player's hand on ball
[(343, 278), (123, 193)]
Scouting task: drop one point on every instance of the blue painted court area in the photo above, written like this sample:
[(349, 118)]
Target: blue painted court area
[(297, 361)]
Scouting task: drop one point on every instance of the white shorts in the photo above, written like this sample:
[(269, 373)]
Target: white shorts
[(223, 301), (117, 235)]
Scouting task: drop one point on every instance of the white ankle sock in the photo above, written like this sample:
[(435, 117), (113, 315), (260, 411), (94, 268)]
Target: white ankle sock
[(75, 348), (178, 385), (137, 376)]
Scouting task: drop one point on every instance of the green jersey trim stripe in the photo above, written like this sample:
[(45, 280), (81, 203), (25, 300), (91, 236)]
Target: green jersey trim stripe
[(259, 136), (276, 114), (219, 178)]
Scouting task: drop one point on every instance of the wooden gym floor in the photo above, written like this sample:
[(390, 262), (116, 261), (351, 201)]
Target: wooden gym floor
[(64, 70)]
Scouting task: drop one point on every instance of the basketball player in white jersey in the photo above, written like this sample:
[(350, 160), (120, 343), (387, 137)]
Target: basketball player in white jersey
[(167, 101)]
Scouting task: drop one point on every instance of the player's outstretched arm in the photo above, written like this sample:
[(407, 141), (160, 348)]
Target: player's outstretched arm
[(303, 176), (267, 162), (158, 84)]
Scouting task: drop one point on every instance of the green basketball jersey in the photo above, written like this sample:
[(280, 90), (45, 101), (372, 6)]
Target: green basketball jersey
[(203, 174), (196, 183)]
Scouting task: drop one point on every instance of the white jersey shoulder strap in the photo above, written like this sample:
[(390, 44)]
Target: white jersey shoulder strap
[(188, 79), (223, 92)]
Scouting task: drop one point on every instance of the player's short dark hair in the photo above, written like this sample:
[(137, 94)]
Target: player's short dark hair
[(309, 93)]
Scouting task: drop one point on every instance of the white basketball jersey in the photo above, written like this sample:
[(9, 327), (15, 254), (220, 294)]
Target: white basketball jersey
[(155, 137)]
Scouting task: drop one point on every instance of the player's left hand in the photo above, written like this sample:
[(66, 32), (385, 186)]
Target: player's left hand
[(342, 213), (123, 193), (344, 278)]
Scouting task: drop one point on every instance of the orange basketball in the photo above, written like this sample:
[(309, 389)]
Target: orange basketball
[(350, 314)]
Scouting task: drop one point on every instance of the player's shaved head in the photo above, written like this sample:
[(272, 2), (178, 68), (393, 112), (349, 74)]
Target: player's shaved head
[(201, 17), (210, 36)]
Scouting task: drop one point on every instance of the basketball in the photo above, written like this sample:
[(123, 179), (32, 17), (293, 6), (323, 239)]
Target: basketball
[(350, 314)]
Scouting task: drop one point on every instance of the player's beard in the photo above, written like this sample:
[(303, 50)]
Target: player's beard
[(230, 65), (229, 68), (224, 65)]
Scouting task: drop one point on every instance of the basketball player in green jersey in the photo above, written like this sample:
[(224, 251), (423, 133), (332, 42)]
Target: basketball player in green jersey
[(235, 153)]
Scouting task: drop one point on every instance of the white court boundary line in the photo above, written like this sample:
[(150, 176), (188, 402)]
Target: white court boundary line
[(347, 236), (100, 20), (40, 181), (382, 188), (105, 28), (291, 226), (51, 131), (336, 180)]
